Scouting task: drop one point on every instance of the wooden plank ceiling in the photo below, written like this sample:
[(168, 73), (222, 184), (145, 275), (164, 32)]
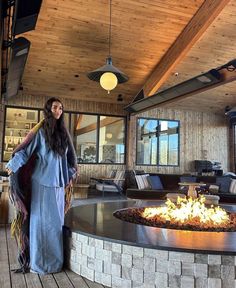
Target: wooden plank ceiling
[(71, 39)]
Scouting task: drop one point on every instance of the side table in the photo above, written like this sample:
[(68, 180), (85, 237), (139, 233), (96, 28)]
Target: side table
[(80, 191)]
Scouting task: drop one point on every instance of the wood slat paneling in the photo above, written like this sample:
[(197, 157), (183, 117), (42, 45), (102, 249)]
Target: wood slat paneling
[(71, 37), (28, 100)]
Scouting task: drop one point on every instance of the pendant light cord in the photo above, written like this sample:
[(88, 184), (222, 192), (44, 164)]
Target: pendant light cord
[(110, 32)]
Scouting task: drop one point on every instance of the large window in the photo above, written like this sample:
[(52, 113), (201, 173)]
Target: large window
[(111, 140), (84, 131), (97, 138), (157, 142)]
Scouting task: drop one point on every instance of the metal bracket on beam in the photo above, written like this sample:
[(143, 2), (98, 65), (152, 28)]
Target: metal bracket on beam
[(6, 44)]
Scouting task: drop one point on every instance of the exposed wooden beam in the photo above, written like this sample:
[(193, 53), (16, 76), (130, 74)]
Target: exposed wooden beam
[(205, 15), (78, 122), (91, 127)]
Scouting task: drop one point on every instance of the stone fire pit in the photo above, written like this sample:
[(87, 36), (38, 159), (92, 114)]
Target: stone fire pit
[(115, 253)]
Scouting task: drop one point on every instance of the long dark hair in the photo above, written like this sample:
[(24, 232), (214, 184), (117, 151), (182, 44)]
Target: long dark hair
[(55, 131)]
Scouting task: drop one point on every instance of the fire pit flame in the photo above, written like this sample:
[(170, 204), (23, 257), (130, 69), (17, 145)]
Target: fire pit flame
[(189, 212)]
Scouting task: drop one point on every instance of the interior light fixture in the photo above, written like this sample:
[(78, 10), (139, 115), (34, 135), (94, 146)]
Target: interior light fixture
[(108, 75)]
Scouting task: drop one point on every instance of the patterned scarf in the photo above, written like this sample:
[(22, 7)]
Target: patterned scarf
[(20, 195)]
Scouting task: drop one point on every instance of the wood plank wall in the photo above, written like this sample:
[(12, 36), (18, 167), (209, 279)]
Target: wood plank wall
[(202, 136)]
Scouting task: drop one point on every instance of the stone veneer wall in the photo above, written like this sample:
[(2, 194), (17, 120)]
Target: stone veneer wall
[(117, 265)]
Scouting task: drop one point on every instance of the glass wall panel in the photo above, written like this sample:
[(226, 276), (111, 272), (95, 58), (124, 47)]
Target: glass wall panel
[(18, 123), (147, 141), (157, 142), (168, 142), (111, 140), (84, 131)]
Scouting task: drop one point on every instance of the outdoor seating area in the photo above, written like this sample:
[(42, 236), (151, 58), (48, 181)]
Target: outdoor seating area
[(118, 104)]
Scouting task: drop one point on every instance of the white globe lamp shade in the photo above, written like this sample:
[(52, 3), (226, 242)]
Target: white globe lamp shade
[(108, 81)]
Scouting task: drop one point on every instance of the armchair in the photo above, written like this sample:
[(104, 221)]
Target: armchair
[(111, 185)]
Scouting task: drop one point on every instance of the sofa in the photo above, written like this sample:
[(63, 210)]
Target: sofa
[(223, 186)]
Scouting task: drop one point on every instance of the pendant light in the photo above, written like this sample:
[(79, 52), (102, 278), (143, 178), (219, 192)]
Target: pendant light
[(108, 75)]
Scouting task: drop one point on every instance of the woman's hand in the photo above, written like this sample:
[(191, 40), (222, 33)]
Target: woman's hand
[(9, 171)]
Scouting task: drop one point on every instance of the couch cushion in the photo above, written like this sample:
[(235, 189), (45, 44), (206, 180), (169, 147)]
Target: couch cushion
[(224, 183), (188, 179), (155, 182), (142, 181), (169, 181), (232, 188)]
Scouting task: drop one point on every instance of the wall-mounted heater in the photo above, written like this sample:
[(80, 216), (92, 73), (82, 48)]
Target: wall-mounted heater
[(197, 84)]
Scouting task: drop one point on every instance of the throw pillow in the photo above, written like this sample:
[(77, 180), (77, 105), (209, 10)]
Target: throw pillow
[(232, 188), (224, 183), (155, 182), (214, 188), (142, 181)]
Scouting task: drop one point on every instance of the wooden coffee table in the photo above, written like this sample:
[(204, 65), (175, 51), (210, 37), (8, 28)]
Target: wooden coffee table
[(192, 188), (80, 191)]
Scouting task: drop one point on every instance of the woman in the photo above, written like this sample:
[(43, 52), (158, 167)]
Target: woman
[(48, 154)]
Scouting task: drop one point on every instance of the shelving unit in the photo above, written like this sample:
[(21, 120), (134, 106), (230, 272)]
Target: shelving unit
[(16, 128)]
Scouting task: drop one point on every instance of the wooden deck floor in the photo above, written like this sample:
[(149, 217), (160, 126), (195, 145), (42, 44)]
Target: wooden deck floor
[(9, 279)]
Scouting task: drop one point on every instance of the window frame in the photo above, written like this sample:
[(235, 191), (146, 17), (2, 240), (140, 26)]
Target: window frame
[(158, 143), (98, 136), (70, 130)]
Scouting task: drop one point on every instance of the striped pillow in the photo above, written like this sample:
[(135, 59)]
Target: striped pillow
[(232, 188), (142, 181)]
